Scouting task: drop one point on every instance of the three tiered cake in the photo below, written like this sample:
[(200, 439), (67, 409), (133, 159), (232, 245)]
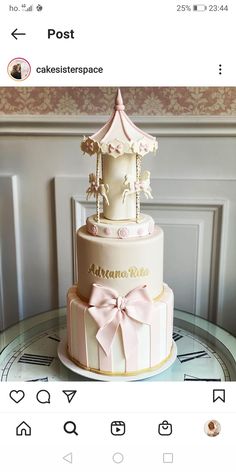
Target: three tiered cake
[(120, 315)]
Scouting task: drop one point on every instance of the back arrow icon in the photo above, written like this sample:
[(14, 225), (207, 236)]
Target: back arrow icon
[(68, 458), (15, 34)]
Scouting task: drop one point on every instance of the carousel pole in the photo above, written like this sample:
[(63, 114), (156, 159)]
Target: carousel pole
[(97, 185), (138, 172)]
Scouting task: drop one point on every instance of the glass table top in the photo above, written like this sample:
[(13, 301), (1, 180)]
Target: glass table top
[(28, 351)]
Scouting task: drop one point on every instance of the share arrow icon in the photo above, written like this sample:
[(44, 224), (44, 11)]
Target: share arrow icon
[(69, 394)]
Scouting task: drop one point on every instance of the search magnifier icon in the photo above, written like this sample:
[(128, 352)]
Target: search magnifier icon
[(70, 427)]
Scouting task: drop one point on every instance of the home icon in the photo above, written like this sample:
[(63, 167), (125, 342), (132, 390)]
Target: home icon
[(23, 429)]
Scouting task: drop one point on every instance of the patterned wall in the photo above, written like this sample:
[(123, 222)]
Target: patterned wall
[(99, 100)]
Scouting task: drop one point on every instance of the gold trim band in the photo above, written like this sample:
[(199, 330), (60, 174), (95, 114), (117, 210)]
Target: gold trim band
[(123, 374)]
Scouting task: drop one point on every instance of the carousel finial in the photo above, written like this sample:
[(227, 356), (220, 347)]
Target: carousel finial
[(119, 105)]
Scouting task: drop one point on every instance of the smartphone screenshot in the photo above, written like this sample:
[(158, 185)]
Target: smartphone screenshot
[(117, 236)]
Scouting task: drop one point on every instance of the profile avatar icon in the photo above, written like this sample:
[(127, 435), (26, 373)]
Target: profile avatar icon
[(19, 69), (16, 71), (212, 428)]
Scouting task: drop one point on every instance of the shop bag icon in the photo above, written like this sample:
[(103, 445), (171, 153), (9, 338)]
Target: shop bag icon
[(165, 428)]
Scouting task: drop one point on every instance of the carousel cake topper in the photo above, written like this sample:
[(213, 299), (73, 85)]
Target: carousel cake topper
[(119, 147)]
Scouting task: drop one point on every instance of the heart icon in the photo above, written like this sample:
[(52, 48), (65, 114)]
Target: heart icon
[(17, 395)]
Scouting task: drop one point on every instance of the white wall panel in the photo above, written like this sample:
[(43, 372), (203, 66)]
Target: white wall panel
[(10, 259)]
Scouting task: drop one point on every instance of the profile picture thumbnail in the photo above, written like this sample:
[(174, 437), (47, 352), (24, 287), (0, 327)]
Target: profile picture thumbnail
[(19, 69), (212, 428)]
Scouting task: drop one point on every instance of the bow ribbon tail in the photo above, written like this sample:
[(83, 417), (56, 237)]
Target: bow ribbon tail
[(106, 334), (129, 330)]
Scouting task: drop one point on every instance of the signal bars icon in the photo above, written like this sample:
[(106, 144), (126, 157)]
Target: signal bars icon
[(25, 7)]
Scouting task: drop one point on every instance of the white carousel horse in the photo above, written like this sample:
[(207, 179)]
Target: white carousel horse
[(132, 186), (94, 189)]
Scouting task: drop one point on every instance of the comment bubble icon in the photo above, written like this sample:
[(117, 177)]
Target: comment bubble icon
[(43, 396)]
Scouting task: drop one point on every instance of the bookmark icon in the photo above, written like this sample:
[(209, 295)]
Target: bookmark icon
[(69, 394)]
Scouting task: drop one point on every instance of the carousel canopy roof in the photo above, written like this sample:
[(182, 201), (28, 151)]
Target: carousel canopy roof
[(119, 136)]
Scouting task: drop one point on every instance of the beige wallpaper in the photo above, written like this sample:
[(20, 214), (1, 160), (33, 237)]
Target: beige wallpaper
[(99, 100)]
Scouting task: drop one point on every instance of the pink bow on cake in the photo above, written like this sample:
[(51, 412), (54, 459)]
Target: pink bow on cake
[(110, 311)]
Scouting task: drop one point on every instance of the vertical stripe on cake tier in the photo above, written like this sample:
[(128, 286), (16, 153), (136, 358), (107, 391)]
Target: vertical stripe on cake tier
[(158, 328), (168, 298), (144, 358), (91, 329), (131, 362), (118, 356), (70, 297), (79, 350), (105, 362)]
